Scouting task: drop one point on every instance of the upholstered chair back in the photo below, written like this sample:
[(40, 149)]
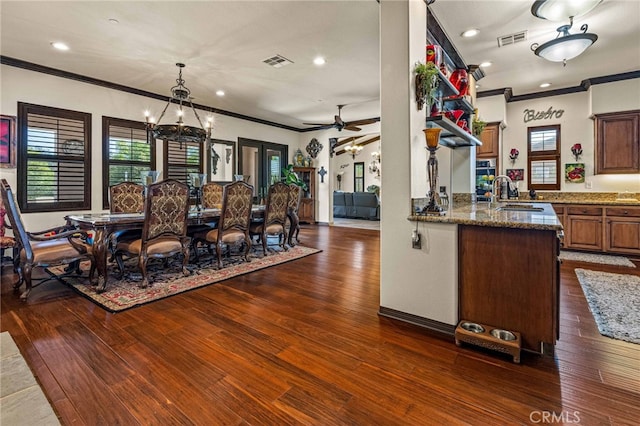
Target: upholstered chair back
[(295, 193), (166, 209), (212, 195), (126, 197), (236, 207), (277, 204), (15, 219)]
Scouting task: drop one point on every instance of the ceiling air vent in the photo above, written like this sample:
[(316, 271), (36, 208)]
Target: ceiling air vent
[(277, 61), (512, 38)]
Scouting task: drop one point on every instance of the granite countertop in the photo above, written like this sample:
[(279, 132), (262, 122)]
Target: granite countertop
[(616, 202), (483, 214)]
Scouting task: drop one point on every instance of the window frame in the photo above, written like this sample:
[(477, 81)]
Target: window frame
[(106, 161), (545, 155), (358, 169), (24, 111)]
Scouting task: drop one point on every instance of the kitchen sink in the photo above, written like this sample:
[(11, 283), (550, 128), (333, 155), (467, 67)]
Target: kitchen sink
[(518, 207)]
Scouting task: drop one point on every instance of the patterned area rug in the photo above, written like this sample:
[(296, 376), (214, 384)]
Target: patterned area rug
[(168, 281), (605, 259), (614, 301)]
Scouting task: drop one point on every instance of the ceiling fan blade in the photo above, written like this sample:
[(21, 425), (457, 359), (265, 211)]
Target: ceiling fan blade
[(363, 122), (352, 128)]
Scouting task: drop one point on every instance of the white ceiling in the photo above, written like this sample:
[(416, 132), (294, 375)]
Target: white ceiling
[(223, 44)]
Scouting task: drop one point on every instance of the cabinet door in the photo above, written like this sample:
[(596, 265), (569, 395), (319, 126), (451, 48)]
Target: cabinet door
[(307, 210), (560, 212), (584, 232), (618, 143), (490, 138), (623, 236)]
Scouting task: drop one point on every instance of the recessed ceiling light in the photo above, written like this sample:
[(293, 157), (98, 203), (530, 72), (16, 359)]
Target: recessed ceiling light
[(319, 60), (543, 85), (59, 45), (220, 92), (478, 86), (471, 32), (485, 64)]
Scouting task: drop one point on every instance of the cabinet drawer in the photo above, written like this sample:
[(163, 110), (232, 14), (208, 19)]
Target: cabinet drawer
[(623, 211), (585, 210), (558, 209)]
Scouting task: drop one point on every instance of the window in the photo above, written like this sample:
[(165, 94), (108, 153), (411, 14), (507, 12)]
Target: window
[(358, 177), (54, 169), (180, 159), (544, 157), (125, 153)]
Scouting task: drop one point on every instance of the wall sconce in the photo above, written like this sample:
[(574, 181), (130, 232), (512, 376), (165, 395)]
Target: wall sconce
[(374, 166), (513, 155), (576, 150), (353, 150)]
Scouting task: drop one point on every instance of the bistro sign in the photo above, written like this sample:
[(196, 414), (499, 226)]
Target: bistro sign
[(532, 115)]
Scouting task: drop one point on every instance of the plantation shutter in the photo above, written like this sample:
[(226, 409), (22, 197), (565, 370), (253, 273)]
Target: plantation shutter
[(544, 157), (182, 159), (54, 171), (126, 153)]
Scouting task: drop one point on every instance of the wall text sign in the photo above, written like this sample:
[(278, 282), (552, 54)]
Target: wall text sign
[(532, 115)]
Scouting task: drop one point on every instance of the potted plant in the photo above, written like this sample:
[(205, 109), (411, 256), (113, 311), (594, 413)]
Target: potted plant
[(291, 178), (426, 83), (478, 126)]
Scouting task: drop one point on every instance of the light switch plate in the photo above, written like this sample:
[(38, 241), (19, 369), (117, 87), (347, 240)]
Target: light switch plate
[(588, 184)]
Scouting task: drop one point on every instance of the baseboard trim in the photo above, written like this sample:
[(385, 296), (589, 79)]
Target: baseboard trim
[(418, 320)]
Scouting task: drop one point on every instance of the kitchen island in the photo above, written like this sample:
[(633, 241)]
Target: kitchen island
[(505, 271)]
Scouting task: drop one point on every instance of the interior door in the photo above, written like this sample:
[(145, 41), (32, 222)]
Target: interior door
[(261, 163)]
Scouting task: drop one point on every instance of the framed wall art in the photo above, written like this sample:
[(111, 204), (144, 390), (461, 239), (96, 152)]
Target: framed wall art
[(8, 141)]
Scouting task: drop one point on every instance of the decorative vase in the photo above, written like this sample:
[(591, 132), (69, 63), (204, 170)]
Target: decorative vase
[(432, 136)]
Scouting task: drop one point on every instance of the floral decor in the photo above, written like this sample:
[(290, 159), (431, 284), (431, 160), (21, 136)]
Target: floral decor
[(513, 155), (515, 174), (576, 150), (574, 172)]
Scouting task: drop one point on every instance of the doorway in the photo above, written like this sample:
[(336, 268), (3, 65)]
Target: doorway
[(260, 163)]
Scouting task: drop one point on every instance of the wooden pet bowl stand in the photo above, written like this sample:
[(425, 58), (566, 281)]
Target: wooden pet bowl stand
[(487, 336)]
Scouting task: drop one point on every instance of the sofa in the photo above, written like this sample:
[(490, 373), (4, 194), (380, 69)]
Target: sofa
[(356, 205)]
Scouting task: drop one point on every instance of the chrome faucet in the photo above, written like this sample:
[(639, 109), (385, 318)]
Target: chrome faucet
[(496, 185)]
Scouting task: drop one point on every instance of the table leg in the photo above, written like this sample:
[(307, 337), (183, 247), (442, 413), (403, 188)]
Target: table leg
[(295, 225), (100, 252)]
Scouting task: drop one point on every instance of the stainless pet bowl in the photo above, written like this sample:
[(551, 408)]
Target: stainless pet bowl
[(503, 334), (472, 327)]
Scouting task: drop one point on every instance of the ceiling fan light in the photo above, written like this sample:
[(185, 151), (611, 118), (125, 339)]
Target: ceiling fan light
[(559, 10), (565, 48)]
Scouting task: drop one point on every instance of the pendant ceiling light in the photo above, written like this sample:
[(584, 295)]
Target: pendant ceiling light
[(565, 46), (559, 10), (179, 132)]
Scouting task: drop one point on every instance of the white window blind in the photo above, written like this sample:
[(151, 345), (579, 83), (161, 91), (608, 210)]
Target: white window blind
[(182, 159), (544, 172), (544, 140)]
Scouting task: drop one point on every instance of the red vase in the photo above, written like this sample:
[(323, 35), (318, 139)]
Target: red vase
[(460, 80), (434, 54)]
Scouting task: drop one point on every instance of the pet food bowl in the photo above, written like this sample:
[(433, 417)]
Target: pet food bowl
[(472, 327), (503, 334)]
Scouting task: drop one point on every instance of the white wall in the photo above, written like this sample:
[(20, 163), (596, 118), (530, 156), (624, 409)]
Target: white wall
[(19, 85), (576, 126)]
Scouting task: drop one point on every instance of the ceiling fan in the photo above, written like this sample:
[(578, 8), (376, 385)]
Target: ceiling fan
[(340, 124)]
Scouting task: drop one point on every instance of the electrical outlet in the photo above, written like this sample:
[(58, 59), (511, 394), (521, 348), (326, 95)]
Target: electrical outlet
[(588, 184), (416, 240)]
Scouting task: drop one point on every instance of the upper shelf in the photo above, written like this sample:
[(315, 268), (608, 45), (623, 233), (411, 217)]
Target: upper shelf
[(445, 88), (459, 102), (452, 136)]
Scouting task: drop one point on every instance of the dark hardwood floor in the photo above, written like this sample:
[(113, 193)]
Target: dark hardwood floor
[(301, 343)]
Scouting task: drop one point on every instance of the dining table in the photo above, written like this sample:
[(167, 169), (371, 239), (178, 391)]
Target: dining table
[(104, 224)]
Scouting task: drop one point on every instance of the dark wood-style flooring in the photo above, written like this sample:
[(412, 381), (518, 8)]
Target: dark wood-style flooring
[(301, 343)]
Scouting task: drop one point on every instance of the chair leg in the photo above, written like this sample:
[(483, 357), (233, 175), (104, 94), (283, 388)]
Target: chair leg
[(142, 264), (92, 270), (185, 258), (247, 248), (263, 237), (219, 253), (26, 273), (120, 263)]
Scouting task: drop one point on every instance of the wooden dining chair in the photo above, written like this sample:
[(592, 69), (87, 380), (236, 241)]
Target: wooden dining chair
[(164, 231), (275, 216), (212, 195), (295, 194), (235, 218), (6, 241), (62, 245), (126, 197)]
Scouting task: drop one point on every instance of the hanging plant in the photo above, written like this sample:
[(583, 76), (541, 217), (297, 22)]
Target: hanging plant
[(426, 83), (478, 126)]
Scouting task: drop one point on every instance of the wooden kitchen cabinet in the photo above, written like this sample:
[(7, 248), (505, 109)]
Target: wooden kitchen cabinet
[(307, 210), (490, 138), (584, 228), (617, 142), (622, 230)]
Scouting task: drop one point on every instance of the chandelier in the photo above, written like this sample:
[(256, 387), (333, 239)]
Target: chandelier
[(178, 132), (353, 150), (565, 46)]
